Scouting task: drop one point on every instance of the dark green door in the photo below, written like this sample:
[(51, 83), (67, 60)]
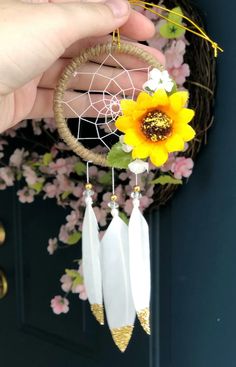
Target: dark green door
[(198, 238), (193, 258)]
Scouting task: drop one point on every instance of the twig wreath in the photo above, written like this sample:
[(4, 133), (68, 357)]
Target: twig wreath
[(160, 126)]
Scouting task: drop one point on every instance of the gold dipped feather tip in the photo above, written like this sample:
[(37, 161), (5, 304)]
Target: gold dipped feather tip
[(121, 336), (98, 312), (144, 318)]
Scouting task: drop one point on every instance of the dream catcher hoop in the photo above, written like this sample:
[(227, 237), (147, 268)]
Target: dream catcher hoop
[(70, 71), (148, 123)]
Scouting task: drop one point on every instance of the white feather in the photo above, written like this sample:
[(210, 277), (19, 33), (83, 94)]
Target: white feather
[(118, 300), (91, 255), (139, 258)]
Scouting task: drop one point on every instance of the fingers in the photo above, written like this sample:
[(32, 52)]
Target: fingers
[(128, 61), (137, 27), (76, 104)]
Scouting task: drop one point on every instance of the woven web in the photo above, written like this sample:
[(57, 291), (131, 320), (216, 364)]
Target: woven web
[(98, 108)]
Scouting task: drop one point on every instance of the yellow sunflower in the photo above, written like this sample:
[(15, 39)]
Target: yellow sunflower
[(156, 125)]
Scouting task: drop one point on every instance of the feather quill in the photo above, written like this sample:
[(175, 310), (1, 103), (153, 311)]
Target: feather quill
[(91, 261), (118, 300), (139, 259)]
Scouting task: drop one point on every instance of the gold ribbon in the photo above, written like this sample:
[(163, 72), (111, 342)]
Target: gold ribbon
[(198, 31)]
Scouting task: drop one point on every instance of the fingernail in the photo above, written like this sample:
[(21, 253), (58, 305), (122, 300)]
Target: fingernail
[(119, 8)]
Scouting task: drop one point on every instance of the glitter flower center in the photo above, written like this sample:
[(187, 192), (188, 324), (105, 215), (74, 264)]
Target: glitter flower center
[(157, 126)]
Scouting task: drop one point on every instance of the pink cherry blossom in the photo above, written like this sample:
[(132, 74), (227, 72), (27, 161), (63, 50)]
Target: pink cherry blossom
[(63, 234), (26, 195), (175, 54), (59, 305), (30, 176), (16, 159), (36, 125), (66, 283), (59, 166), (52, 245), (180, 74), (7, 176), (2, 143), (78, 190), (101, 215), (51, 190), (72, 220), (50, 124), (167, 166), (182, 167)]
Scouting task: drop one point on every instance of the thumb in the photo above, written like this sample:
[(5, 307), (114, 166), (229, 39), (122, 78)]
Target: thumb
[(76, 20)]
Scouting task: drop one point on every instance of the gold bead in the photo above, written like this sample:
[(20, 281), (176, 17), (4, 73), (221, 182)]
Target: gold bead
[(137, 188), (113, 197), (88, 186)]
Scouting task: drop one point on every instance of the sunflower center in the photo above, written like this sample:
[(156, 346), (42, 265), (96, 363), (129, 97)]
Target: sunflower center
[(157, 126)]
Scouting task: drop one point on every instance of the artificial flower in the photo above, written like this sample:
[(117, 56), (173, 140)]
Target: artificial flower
[(138, 166), (175, 54), (52, 245), (182, 167), (26, 195), (126, 148), (59, 305), (180, 74), (158, 80), (156, 125)]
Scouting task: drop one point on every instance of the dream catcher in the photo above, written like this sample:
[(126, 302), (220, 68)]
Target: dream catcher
[(136, 124)]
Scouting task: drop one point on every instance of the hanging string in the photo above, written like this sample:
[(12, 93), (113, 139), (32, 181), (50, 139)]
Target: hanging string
[(146, 5), (113, 180), (87, 170)]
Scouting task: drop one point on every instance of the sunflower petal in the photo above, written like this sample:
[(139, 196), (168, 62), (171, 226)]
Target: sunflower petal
[(144, 100), (141, 151), (159, 155), (128, 106), (160, 98), (132, 138), (185, 131), (124, 123), (175, 143), (178, 100), (185, 115)]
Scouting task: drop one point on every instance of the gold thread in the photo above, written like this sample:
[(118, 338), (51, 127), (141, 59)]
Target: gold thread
[(200, 33), (98, 312), (121, 336), (144, 318)]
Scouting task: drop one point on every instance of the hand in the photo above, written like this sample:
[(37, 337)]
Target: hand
[(38, 39)]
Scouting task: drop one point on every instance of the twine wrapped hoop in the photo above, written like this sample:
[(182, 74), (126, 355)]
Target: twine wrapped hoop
[(85, 56)]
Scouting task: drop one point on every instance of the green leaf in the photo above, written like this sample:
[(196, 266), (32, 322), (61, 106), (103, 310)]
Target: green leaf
[(47, 158), (72, 273), (175, 18), (118, 158), (169, 31), (166, 179), (65, 194), (78, 280), (74, 238), (124, 217), (80, 168), (37, 186), (105, 179)]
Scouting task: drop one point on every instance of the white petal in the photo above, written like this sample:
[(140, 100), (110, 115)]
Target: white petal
[(168, 86), (155, 74), (165, 76), (138, 166)]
